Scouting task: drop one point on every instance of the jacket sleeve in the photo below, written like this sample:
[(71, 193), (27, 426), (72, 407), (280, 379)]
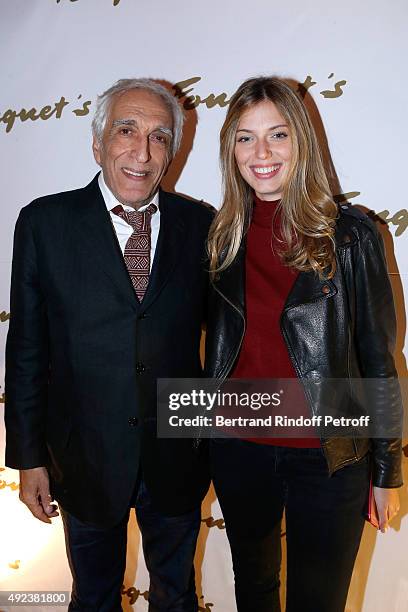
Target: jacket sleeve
[(27, 359), (375, 334)]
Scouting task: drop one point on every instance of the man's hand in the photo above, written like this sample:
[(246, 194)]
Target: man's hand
[(35, 493), (387, 502)]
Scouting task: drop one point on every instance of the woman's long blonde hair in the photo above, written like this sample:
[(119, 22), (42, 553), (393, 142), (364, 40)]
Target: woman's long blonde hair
[(308, 211)]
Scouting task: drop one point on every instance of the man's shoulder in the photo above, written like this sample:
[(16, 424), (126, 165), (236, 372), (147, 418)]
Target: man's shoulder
[(189, 208), (56, 202)]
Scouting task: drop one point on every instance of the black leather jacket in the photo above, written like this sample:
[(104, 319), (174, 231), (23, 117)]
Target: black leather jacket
[(338, 328)]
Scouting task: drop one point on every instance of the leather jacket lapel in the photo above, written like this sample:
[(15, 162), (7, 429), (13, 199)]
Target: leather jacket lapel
[(308, 287)]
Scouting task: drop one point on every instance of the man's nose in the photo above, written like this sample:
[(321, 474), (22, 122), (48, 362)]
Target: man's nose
[(141, 149)]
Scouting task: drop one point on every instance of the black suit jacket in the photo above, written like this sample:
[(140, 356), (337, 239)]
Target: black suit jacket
[(83, 355)]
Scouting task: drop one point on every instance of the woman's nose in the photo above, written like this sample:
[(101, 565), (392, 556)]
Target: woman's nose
[(263, 149)]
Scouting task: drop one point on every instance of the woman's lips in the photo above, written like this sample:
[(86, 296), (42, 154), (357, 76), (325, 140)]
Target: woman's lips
[(266, 172)]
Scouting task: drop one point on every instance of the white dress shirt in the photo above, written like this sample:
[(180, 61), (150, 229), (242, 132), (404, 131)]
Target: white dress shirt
[(124, 230)]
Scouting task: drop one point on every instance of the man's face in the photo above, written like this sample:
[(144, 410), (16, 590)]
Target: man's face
[(136, 146)]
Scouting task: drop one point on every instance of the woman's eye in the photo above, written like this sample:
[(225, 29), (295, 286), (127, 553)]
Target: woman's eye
[(279, 135), (243, 139), (125, 131)]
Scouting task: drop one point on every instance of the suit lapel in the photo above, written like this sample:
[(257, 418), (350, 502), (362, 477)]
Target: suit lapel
[(170, 245), (99, 241)]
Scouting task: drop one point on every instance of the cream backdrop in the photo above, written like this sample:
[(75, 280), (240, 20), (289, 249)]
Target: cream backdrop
[(57, 55)]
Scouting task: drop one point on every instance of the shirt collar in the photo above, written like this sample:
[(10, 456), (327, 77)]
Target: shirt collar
[(111, 201)]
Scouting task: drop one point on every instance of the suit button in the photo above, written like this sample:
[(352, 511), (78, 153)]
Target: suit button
[(140, 368), (142, 316), (133, 421), (326, 289)]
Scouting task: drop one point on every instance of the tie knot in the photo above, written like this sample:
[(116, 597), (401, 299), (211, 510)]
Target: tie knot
[(139, 221)]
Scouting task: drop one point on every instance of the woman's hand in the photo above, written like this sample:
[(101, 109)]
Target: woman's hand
[(387, 503)]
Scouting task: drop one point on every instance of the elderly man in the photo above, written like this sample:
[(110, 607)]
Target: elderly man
[(108, 294)]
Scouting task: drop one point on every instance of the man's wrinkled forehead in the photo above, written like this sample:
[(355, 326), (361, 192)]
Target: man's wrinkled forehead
[(142, 108)]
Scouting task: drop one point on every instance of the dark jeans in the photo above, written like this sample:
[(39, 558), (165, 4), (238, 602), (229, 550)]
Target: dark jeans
[(324, 523), (97, 558)]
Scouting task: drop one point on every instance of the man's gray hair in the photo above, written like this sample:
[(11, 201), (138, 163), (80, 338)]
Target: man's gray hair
[(104, 102)]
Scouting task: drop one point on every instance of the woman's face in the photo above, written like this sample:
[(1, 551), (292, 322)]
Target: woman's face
[(263, 150)]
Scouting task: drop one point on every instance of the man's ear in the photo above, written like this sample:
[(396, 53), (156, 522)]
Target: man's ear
[(96, 148)]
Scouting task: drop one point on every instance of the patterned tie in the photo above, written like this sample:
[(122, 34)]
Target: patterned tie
[(137, 249)]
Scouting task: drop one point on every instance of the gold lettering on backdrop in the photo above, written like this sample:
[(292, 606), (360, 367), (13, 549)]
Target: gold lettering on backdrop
[(46, 112), (15, 564), (84, 110), (307, 84), (211, 522), (399, 219), (344, 197), (182, 89), (207, 606), (326, 93), (195, 100), (337, 91), (4, 316), (12, 485), (405, 450), (134, 594), (185, 89)]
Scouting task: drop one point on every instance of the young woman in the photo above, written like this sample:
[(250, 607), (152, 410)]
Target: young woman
[(300, 290)]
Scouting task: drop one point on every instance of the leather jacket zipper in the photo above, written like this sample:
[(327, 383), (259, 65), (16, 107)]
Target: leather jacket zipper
[(223, 376), (292, 358)]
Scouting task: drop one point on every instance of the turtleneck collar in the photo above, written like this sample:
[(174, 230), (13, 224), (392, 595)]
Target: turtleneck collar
[(264, 211)]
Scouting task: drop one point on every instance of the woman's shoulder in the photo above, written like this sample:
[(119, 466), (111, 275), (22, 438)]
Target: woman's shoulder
[(354, 225)]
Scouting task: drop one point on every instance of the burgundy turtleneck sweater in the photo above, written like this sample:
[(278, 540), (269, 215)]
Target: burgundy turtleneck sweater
[(264, 353)]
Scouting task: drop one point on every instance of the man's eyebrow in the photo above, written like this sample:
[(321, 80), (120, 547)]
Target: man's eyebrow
[(117, 122), (132, 122), (165, 130)]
